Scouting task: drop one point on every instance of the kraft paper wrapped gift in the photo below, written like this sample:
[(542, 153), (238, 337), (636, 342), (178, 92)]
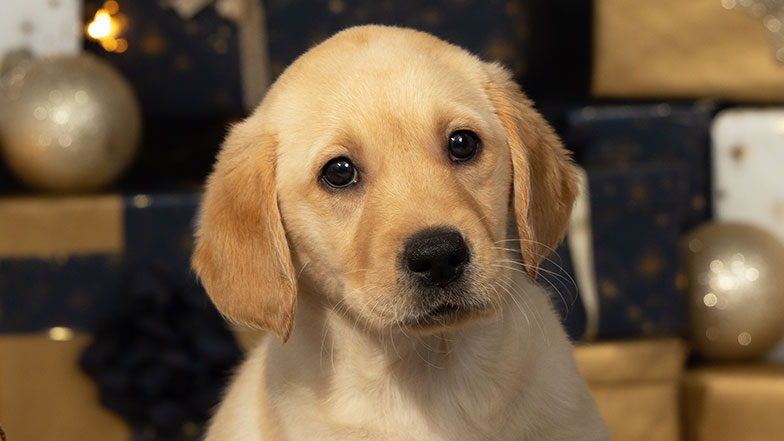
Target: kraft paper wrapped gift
[(44, 396), (636, 386), (689, 49), (731, 403)]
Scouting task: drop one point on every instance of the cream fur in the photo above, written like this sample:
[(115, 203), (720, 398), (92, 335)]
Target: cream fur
[(270, 237)]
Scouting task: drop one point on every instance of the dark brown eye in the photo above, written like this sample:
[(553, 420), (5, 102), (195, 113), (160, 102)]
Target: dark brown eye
[(339, 173), (463, 145)]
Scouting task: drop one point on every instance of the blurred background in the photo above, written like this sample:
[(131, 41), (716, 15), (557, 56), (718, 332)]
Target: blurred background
[(671, 279)]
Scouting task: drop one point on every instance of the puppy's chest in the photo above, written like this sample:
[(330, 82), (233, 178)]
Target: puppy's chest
[(441, 410)]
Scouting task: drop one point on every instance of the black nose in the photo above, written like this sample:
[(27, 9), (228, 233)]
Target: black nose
[(437, 257)]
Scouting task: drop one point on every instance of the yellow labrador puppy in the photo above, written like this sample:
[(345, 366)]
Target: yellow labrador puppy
[(360, 214)]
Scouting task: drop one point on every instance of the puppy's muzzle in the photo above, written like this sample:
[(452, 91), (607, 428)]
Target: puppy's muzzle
[(436, 257)]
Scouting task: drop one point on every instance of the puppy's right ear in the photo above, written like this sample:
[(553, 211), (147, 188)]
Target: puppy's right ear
[(241, 254)]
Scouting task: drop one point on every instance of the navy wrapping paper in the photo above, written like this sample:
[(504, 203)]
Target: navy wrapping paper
[(635, 217), (628, 136)]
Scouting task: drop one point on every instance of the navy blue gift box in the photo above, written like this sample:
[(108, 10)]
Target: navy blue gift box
[(178, 67), (649, 177), (635, 219), (546, 43), (628, 136), (495, 29), (191, 67)]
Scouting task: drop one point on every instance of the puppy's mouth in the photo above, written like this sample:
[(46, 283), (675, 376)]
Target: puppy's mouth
[(446, 309), (444, 315)]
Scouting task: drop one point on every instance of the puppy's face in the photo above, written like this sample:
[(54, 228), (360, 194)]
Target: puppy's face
[(382, 171)]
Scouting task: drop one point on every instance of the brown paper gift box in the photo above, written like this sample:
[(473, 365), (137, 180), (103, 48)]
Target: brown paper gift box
[(682, 49), (636, 386), (734, 403), (44, 396)]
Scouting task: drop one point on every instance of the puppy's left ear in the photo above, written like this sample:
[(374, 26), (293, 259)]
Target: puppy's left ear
[(544, 179)]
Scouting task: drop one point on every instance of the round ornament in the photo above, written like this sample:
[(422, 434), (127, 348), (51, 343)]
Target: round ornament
[(67, 123), (735, 300)]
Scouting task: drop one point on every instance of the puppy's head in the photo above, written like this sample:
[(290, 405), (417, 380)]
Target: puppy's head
[(381, 172)]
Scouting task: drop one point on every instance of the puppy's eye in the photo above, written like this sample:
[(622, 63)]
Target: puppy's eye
[(463, 145), (339, 173)]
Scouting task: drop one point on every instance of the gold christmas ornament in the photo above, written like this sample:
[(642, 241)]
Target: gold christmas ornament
[(67, 123), (735, 301)]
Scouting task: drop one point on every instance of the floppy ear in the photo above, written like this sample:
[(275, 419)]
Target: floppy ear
[(544, 179), (241, 253)]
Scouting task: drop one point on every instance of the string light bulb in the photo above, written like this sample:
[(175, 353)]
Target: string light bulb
[(106, 26)]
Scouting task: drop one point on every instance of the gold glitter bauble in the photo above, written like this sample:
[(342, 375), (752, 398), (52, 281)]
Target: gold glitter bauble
[(735, 299), (68, 123)]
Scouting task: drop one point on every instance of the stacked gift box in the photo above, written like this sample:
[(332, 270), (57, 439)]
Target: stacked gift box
[(648, 169), (97, 302), (647, 182), (665, 101), (632, 88)]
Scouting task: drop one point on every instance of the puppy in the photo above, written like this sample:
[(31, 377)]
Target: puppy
[(360, 214)]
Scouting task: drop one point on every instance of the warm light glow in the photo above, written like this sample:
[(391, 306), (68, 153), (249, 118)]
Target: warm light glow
[(106, 26), (101, 26), (122, 45), (110, 44), (111, 7), (60, 333)]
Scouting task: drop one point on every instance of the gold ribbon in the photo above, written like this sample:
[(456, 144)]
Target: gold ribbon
[(580, 240)]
